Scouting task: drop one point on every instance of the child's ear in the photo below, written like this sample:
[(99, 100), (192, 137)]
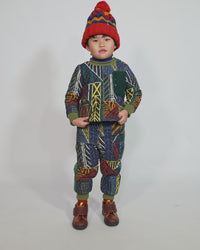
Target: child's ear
[(87, 47)]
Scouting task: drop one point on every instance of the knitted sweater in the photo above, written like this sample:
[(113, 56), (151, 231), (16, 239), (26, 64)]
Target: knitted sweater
[(100, 90)]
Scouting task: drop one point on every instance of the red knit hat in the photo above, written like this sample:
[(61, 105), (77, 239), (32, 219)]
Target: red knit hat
[(101, 22)]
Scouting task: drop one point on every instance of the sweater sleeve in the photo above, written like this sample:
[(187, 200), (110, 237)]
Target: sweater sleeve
[(72, 96), (133, 92)]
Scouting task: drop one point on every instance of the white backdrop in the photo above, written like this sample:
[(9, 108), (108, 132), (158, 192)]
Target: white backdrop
[(40, 46)]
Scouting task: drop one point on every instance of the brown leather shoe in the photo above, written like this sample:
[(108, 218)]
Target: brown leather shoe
[(110, 213), (80, 216)]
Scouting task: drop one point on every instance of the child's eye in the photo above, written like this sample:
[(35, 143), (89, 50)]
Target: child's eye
[(107, 39), (95, 40)]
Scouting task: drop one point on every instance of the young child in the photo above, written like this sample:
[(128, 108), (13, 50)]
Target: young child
[(95, 105)]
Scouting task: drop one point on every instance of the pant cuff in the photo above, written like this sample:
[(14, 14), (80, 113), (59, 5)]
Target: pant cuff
[(108, 197), (82, 197)]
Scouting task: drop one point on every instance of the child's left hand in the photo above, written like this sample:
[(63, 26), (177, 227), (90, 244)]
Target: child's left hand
[(123, 115)]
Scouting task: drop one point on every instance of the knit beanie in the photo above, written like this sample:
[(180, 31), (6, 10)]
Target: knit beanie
[(102, 22)]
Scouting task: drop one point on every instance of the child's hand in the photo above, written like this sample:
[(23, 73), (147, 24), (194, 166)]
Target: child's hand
[(123, 115), (81, 122)]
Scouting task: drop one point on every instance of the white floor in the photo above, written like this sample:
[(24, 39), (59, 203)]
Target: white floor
[(165, 216)]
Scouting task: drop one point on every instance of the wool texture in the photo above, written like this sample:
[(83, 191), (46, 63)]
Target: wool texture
[(102, 142), (98, 90), (99, 22)]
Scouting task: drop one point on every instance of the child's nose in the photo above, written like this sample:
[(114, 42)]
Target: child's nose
[(101, 43)]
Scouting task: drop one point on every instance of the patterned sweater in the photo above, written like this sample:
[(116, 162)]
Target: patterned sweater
[(100, 90)]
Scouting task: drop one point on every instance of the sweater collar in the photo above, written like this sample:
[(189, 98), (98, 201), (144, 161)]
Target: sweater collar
[(104, 60), (103, 63)]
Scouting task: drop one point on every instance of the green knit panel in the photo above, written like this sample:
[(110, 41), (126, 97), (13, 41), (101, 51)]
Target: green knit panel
[(129, 108), (108, 197), (72, 116), (111, 62), (82, 197), (119, 82)]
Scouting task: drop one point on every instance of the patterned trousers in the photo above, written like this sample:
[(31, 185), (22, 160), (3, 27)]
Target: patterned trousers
[(99, 143)]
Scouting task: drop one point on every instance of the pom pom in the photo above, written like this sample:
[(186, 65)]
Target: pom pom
[(102, 6)]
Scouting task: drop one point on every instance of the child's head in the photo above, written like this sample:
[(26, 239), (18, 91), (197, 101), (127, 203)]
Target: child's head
[(101, 23)]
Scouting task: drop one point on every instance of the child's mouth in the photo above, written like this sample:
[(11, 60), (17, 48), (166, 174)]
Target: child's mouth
[(102, 51)]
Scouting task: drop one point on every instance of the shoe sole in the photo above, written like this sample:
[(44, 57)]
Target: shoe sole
[(79, 227), (111, 224)]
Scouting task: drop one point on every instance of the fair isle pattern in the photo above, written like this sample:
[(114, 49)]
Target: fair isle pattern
[(101, 14), (95, 107), (108, 90), (98, 18), (86, 132), (85, 152), (130, 95), (102, 90), (103, 146), (96, 69)]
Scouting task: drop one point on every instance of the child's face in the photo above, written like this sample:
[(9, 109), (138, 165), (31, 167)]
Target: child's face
[(101, 46)]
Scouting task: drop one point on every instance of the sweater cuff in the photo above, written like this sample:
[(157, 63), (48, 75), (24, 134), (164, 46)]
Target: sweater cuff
[(73, 116), (129, 108)]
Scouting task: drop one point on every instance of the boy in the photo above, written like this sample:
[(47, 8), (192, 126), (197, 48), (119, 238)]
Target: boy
[(95, 105)]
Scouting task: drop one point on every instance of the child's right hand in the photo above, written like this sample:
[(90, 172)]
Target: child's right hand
[(81, 122)]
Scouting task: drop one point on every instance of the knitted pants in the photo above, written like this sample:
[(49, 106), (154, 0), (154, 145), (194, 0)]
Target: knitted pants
[(99, 143)]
